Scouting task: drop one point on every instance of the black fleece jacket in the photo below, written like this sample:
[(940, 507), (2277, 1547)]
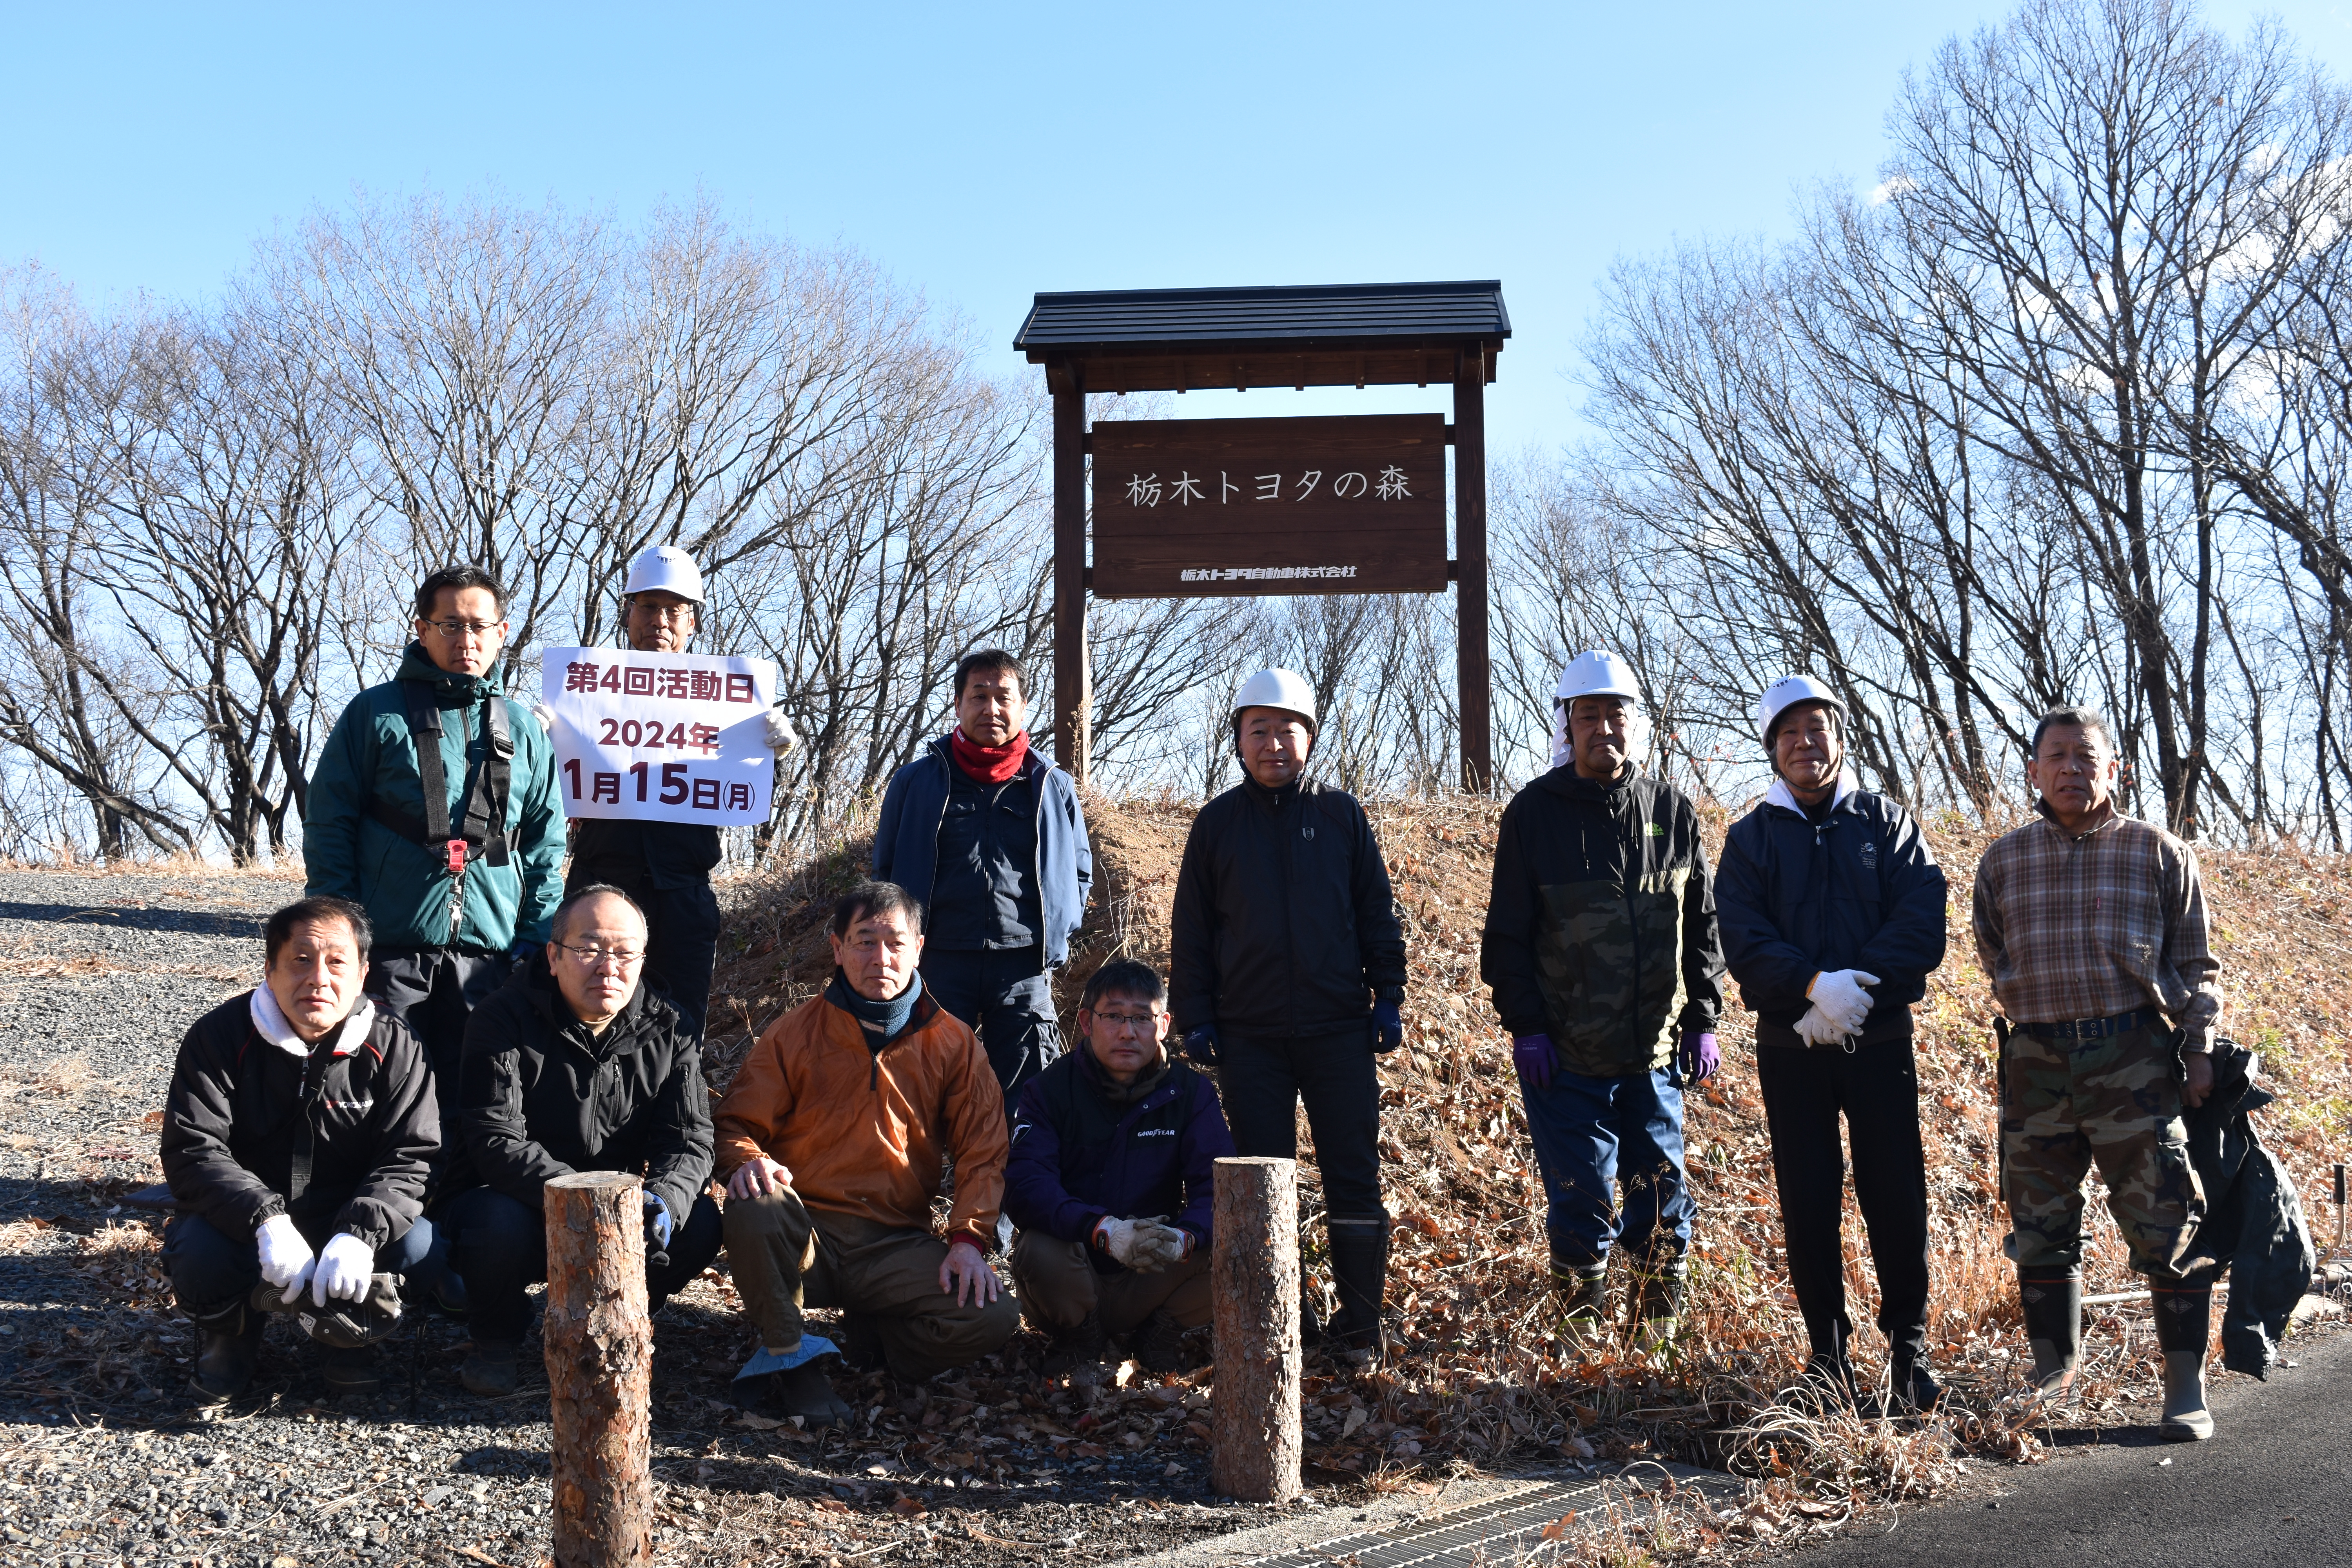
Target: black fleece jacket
[(233, 1115), (540, 1097)]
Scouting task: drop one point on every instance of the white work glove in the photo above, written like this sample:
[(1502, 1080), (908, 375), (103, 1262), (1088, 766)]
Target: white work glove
[(545, 715), (1839, 993), (1159, 1243), (345, 1264), (286, 1257), (780, 734), (1815, 1029), (1117, 1237)]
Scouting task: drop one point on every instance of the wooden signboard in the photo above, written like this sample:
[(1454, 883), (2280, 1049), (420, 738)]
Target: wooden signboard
[(1191, 508)]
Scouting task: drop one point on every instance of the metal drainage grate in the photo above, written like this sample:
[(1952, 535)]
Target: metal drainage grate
[(1481, 1532)]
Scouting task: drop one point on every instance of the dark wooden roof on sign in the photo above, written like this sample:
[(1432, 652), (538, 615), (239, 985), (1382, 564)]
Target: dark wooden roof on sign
[(1363, 334)]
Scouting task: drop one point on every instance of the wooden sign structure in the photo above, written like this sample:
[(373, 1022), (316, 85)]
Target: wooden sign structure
[(1227, 506)]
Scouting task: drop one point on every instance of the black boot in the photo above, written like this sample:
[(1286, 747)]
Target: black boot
[(351, 1372), (2054, 1325), (2184, 1322), (1081, 1352), (1655, 1300), (807, 1392), (1583, 1294), (1916, 1390), (1159, 1344), (229, 1347), (1359, 1267)]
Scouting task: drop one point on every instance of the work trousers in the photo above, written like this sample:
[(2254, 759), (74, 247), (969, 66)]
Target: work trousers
[(1006, 995), (786, 1259), (500, 1245), (1059, 1284), (1592, 1135), (2111, 1100), (1261, 1080), (1876, 1089), (211, 1272), (681, 939), (434, 990)]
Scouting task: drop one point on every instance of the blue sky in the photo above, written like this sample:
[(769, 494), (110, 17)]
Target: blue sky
[(985, 152)]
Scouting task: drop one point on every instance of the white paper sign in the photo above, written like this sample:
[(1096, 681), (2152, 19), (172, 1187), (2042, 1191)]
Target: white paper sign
[(660, 737)]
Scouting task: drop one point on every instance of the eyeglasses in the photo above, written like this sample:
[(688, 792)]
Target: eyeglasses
[(458, 631), (1128, 1023), (597, 957), (674, 615)]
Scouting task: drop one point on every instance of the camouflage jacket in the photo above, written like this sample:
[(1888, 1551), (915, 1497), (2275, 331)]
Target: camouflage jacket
[(1600, 930)]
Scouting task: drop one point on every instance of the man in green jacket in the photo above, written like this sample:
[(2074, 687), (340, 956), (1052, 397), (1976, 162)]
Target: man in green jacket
[(460, 875)]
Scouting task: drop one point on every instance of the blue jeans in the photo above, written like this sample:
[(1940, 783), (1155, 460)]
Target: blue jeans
[(500, 1246), (211, 1272), (1592, 1132), (1006, 995)]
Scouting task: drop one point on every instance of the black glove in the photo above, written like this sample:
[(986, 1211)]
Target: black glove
[(1388, 1027), (1201, 1045)]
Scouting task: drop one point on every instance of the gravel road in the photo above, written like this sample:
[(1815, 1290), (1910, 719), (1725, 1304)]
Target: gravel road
[(102, 1459)]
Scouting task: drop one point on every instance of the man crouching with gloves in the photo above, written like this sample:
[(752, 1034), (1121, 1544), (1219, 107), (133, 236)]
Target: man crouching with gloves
[(1112, 1180), (1831, 907), (575, 1065), (296, 1139)]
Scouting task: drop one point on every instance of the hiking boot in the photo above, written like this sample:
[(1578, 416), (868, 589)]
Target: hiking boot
[(1916, 1390), (1080, 1351), (2184, 1321), (2054, 1327), (1159, 1344), (1654, 1302), (1583, 1296), (351, 1372), (1359, 1266), (808, 1394), (489, 1369), (229, 1347), (1828, 1377), (448, 1293)]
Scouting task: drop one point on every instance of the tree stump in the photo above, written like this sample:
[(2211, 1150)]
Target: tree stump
[(600, 1351), (1254, 1441)]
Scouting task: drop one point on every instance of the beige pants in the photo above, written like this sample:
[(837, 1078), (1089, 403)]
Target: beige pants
[(1059, 1287), (785, 1258)]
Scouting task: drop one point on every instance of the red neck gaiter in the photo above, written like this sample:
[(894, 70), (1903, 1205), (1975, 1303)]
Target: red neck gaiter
[(988, 764)]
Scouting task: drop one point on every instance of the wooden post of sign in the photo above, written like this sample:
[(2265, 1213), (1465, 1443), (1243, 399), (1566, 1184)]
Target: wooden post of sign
[(1472, 671), (600, 1353), (1254, 1431), (1073, 691)]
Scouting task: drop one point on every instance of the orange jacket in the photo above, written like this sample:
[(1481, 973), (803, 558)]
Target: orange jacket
[(863, 1133)]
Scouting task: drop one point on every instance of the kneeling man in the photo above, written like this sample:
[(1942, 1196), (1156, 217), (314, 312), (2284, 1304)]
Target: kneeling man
[(1108, 1144), (833, 1141), (297, 1139), (575, 1065)]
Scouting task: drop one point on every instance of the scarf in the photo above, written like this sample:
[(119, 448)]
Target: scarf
[(1149, 1077), (887, 1018), (269, 1021), (988, 764)]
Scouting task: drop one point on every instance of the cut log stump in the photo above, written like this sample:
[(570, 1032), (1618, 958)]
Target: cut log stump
[(600, 1346), (1256, 1437)]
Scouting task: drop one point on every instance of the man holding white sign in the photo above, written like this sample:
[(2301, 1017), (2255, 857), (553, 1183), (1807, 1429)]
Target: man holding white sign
[(654, 758)]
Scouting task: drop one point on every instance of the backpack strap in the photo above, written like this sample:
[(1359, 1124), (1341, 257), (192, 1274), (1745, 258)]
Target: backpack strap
[(483, 834), (315, 1068)]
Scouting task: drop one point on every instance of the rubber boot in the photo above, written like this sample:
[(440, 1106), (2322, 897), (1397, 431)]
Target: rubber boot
[(351, 1372), (1654, 1302), (1159, 1344), (1828, 1378), (861, 1344), (807, 1392), (1081, 1352), (1359, 1267), (489, 1369), (1583, 1295), (1916, 1390), (2183, 1325), (2053, 1326), (229, 1347)]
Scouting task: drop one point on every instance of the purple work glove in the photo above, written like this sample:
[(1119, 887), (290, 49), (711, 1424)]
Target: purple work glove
[(1700, 1059), (1532, 1055)]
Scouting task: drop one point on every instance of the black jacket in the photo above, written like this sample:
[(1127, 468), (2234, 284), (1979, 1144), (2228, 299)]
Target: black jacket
[(539, 1097), (1600, 927), (1284, 923), (2253, 1221), (232, 1120), (1860, 890), (664, 856)]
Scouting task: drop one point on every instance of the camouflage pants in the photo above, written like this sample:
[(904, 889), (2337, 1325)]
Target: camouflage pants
[(2066, 1104)]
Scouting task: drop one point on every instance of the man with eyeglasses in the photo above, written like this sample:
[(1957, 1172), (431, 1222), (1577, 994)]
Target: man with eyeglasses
[(665, 866), (2092, 927), (1112, 1180), (575, 1065), (434, 808)]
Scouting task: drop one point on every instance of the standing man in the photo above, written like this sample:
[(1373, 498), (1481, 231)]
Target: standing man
[(664, 866), (1600, 945), (2092, 926), (988, 836), (1288, 971), (1832, 913), (434, 807)]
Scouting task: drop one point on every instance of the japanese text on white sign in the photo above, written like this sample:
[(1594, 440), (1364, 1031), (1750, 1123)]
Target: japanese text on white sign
[(661, 737)]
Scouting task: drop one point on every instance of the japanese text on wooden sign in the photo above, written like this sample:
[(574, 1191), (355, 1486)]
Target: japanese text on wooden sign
[(660, 737), (1347, 505)]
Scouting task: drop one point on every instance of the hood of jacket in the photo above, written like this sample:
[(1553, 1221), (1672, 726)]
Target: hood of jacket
[(415, 664)]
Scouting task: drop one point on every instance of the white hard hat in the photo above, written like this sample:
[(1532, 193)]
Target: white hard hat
[(1596, 672), (665, 569), (1277, 689), (1786, 693)]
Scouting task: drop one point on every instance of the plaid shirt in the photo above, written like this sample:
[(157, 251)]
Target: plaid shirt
[(2088, 927)]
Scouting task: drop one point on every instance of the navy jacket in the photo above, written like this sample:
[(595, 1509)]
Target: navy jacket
[(1862, 890), (1078, 1156), (907, 839)]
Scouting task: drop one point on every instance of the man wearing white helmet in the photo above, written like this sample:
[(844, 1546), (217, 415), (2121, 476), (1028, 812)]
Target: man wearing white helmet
[(1288, 971), (1601, 946), (664, 866), (1832, 912)]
